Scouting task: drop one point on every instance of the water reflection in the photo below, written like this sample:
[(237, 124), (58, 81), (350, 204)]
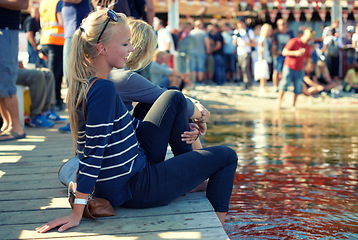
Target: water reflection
[(297, 176)]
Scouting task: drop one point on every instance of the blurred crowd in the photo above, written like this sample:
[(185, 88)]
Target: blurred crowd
[(220, 52)]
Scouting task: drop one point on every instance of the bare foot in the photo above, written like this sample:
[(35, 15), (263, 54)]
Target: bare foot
[(201, 188)]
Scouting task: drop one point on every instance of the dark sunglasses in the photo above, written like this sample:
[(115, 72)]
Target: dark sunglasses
[(111, 16)]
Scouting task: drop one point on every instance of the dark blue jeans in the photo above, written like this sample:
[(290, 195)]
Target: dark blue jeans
[(55, 61), (160, 182), (219, 69)]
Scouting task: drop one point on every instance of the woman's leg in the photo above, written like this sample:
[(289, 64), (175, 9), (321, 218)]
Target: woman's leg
[(159, 184), (164, 123)]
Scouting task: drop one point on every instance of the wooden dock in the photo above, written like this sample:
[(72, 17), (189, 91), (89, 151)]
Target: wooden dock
[(31, 194)]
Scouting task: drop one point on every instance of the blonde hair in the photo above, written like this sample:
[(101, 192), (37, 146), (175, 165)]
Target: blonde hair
[(321, 72), (265, 29), (83, 50), (143, 41)]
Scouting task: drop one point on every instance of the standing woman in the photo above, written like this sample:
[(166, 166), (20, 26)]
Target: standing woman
[(264, 54), (128, 176)]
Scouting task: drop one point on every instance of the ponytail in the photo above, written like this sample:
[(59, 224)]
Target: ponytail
[(83, 51)]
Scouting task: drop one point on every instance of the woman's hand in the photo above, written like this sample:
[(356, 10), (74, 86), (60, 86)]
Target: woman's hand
[(202, 128), (65, 223), (190, 136), (205, 114)]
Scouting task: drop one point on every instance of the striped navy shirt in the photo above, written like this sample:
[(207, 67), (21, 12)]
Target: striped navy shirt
[(107, 146)]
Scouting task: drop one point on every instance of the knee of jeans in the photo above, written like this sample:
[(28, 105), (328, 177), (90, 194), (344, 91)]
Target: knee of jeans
[(297, 90), (173, 88), (227, 153), (232, 156), (174, 93)]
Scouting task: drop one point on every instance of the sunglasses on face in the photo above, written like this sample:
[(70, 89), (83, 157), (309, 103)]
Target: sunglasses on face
[(111, 16)]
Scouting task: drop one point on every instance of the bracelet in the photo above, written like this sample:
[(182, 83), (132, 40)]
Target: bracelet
[(81, 201), (197, 137)]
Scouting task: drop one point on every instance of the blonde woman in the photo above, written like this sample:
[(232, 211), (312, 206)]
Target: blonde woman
[(262, 72), (133, 87), (323, 76), (111, 160)]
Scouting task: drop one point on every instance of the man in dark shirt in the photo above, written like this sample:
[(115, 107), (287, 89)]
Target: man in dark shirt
[(218, 52), (279, 40), (32, 29)]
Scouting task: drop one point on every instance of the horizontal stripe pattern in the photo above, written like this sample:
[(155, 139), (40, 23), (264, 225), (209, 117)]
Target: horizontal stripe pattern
[(108, 149)]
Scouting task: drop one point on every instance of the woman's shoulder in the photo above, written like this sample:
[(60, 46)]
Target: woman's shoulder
[(102, 86), (103, 83)]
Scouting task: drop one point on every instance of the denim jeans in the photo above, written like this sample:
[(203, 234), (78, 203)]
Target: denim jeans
[(9, 48), (288, 76), (55, 61), (219, 69), (66, 56), (243, 62), (34, 57), (160, 182)]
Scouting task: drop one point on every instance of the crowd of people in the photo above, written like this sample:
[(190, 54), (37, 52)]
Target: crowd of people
[(223, 52), (214, 51)]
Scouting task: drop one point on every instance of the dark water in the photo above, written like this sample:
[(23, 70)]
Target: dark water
[(297, 176)]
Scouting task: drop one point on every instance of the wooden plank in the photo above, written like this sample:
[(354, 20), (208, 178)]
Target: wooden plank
[(159, 223), (207, 234), (31, 184), (31, 194), (181, 205), (44, 176), (27, 194), (25, 165), (15, 170)]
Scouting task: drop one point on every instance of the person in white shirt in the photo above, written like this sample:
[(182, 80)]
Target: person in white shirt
[(355, 41), (165, 40), (244, 39), (229, 52), (331, 47)]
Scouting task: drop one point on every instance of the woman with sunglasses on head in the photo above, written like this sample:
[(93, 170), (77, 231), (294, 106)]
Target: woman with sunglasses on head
[(132, 87), (111, 160)]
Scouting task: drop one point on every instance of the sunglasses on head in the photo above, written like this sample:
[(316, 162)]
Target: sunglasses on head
[(111, 16)]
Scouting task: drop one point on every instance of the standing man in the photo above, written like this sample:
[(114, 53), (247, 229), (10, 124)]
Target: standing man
[(52, 41), (244, 39), (73, 12), (218, 52), (32, 29), (296, 51), (165, 40), (10, 12), (279, 41), (229, 52), (348, 46), (199, 51)]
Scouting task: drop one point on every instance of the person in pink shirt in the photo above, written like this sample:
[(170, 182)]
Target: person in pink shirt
[(296, 51)]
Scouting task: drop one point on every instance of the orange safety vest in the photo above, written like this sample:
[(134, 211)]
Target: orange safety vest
[(51, 31)]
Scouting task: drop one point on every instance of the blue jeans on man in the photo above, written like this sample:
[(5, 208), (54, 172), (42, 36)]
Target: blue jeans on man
[(34, 57), (219, 69)]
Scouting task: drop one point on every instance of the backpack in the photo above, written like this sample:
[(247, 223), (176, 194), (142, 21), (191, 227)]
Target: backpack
[(332, 49)]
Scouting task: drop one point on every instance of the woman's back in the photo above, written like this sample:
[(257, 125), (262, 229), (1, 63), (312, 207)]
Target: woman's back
[(109, 152)]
